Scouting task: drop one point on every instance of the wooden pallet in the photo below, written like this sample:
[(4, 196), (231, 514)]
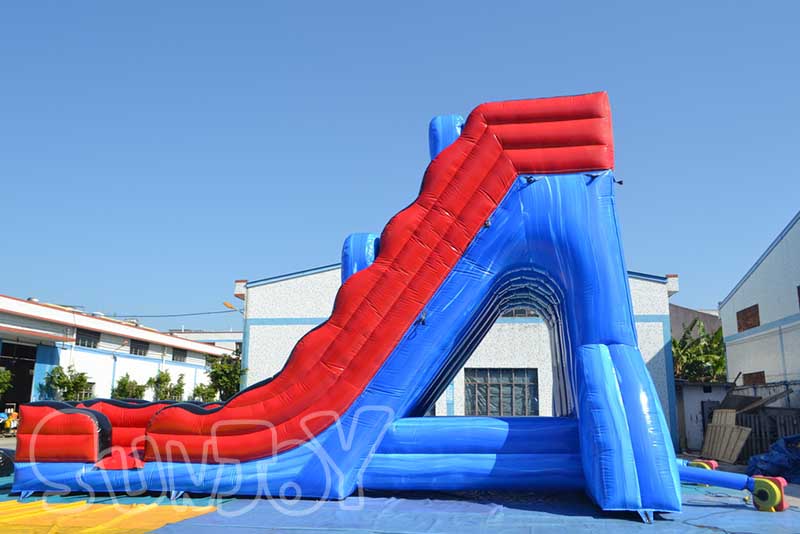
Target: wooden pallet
[(723, 417), (724, 439)]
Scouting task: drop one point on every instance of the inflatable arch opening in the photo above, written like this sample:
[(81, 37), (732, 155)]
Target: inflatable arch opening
[(516, 208), (522, 287)]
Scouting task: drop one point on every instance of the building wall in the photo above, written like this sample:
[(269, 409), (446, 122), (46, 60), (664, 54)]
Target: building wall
[(279, 313), (776, 351), (513, 342), (693, 396), (104, 368), (680, 317), (270, 343), (774, 346), (772, 285), (105, 364), (226, 340), (107, 342), (306, 296), (29, 323)]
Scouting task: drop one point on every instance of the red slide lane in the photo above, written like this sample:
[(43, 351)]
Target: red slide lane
[(331, 365)]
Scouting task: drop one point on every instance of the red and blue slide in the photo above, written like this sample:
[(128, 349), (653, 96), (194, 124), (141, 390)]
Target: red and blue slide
[(515, 209)]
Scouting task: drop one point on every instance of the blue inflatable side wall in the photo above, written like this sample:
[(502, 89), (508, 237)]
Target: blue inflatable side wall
[(358, 252), (443, 131)]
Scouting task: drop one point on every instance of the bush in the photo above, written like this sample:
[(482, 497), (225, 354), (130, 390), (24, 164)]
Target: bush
[(224, 373), (175, 391), (204, 392), (164, 389), (160, 385), (127, 388), (6, 380)]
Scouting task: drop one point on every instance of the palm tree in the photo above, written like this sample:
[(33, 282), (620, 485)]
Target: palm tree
[(699, 357)]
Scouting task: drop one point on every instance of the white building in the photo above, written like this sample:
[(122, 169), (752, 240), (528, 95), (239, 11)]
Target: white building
[(695, 402), (761, 317), (36, 337), (229, 340), (281, 309)]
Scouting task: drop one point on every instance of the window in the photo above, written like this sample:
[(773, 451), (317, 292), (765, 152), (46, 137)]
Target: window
[(17, 351), (87, 338), (747, 318), (178, 355), (754, 379), (87, 393), (501, 392), (139, 348), (519, 312)]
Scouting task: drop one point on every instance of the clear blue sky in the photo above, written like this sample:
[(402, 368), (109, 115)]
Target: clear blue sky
[(153, 152)]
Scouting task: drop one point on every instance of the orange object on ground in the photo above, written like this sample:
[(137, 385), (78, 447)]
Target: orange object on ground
[(41, 516)]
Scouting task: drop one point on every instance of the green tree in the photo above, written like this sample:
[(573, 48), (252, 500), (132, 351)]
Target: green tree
[(69, 385), (175, 391), (6, 380), (699, 356), (164, 389), (127, 388), (204, 392), (160, 385), (224, 374)]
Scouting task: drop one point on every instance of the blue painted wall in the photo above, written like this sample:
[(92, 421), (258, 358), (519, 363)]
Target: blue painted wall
[(46, 358)]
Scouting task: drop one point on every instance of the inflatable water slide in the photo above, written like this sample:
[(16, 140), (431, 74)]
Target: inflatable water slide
[(516, 209)]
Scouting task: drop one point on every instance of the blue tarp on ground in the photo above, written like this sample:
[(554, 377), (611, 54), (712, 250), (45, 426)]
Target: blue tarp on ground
[(782, 460), (705, 510)]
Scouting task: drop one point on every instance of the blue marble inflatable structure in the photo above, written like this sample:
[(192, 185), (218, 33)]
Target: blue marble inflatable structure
[(553, 245)]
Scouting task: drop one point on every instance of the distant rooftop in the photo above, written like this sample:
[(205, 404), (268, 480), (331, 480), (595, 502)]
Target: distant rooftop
[(75, 318), (761, 258)]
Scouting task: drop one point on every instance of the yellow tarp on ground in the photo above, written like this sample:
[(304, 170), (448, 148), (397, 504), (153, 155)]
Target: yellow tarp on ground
[(40, 517)]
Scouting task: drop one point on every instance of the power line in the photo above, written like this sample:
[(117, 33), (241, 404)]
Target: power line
[(156, 316)]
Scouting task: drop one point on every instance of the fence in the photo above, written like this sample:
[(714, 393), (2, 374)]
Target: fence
[(771, 388), (766, 429)]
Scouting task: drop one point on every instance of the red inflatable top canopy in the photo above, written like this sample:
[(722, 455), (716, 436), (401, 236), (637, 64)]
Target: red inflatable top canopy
[(549, 135)]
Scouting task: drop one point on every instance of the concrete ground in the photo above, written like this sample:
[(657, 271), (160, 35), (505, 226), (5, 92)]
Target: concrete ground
[(8, 443), (704, 510)]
